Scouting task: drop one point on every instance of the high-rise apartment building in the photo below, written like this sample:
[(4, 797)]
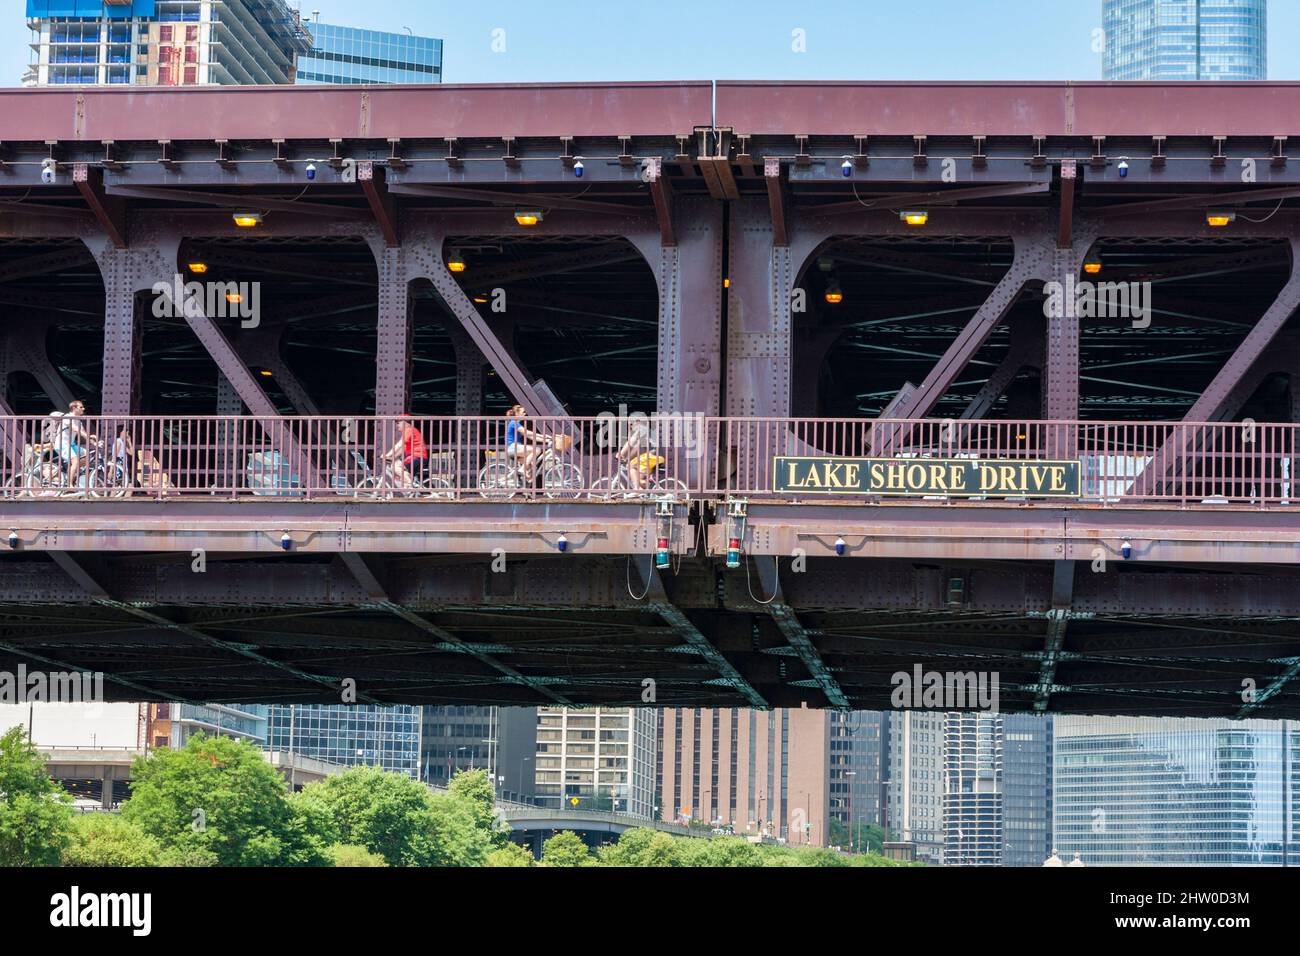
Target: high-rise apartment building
[(1185, 39), (1165, 791), (970, 788), (349, 735), (758, 773), (163, 42), (600, 757), (914, 783), (350, 55)]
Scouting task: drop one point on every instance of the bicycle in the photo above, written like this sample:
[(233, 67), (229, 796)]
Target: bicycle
[(653, 483), (504, 477), (102, 477), (386, 485), (41, 475)]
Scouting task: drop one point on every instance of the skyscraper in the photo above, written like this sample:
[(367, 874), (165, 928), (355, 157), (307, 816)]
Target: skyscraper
[(1165, 791), (859, 750), (1185, 39), (970, 788), (759, 773), (350, 55), (360, 734), (601, 757), (163, 42)]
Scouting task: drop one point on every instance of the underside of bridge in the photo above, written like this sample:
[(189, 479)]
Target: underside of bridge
[(1152, 640), (852, 291)]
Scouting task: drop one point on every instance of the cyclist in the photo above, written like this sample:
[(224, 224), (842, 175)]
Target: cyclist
[(409, 455), (71, 440), (638, 453), (522, 443)]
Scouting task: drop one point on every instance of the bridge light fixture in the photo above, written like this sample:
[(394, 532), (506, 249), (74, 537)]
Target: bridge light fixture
[(286, 542), (234, 298), (914, 217), (13, 540), (266, 373), (1092, 265), (481, 299), (1126, 549), (578, 168), (247, 220), (198, 268), (562, 544), (311, 171), (839, 546), (846, 167), (662, 558), (528, 217), (1123, 169), (834, 294), (733, 553), (456, 262), (1218, 218)]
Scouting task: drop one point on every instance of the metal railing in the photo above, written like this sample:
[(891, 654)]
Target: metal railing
[(1113, 462), (364, 458), (606, 458)]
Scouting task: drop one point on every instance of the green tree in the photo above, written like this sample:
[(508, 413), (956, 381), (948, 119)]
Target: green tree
[(721, 851), (35, 818), (642, 846), (346, 854), (474, 787), (218, 798), (459, 836), (510, 854), (565, 849), (105, 839), (388, 813), (867, 839)]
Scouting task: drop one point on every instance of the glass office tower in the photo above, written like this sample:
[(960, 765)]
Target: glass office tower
[(1186, 39), (1163, 791), (352, 56), (361, 734)]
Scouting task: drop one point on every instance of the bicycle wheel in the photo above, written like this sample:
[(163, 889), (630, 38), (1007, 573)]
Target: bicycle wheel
[(562, 480), (436, 486), (671, 486), (611, 486), (498, 479), (371, 487)]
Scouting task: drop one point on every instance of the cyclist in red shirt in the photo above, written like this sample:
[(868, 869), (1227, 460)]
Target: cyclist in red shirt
[(410, 455)]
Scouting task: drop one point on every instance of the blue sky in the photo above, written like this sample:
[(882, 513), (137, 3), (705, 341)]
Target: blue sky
[(555, 40)]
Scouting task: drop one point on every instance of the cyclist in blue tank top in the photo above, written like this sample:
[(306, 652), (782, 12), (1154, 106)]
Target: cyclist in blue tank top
[(522, 443)]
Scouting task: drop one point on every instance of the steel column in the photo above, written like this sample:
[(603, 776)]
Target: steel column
[(393, 334), (759, 318), (689, 277)]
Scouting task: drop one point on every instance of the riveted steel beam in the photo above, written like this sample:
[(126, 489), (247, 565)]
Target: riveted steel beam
[(78, 570)]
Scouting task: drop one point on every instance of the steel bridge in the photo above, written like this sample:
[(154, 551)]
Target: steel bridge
[(731, 256)]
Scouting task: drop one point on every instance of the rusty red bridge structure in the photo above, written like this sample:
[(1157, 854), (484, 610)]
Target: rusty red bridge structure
[(836, 299)]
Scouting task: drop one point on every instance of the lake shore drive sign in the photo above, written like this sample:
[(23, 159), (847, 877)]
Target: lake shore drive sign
[(954, 477)]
